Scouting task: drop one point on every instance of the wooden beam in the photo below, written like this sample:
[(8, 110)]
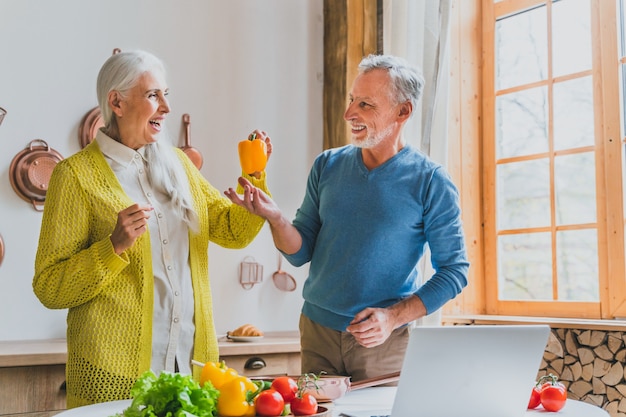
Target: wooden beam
[(351, 31)]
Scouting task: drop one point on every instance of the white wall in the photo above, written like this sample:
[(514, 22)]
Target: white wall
[(232, 65)]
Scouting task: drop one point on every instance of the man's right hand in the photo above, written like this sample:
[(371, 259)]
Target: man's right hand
[(256, 201)]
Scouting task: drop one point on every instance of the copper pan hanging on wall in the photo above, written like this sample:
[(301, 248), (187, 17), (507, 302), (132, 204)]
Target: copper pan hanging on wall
[(89, 126), (30, 172)]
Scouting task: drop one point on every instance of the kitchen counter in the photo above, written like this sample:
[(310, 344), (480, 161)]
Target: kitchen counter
[(54, 351), (32, 373), (33, 352), (272, 342)]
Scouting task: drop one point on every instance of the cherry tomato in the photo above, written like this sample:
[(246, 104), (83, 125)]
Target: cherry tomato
[(269, 403), (553, 397), (535, 398), (286, 386), (304, 405)]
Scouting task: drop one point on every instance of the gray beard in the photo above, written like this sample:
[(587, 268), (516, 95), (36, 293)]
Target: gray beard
[(371, 140)]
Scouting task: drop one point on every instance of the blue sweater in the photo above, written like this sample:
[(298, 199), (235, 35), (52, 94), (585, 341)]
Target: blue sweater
[(365, 231)]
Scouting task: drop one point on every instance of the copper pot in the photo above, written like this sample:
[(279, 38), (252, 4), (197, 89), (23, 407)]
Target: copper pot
[(30, 172), (92, 121)]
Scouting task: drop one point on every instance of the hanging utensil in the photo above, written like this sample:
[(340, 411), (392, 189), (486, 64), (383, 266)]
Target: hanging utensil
[(89, 126), (190, 151), (30, 172), (283, 280), (250, 272)]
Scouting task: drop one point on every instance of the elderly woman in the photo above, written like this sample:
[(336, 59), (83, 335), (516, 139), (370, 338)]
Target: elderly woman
[(124, 241)]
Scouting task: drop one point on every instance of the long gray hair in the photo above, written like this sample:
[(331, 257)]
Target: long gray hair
[(406, 80), (120, 73)]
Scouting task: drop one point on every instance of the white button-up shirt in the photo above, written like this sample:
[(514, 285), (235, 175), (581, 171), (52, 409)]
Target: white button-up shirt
[(173, 325)]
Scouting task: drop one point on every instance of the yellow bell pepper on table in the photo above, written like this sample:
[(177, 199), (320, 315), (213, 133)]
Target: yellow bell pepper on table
[(252, 154), (236, 398)]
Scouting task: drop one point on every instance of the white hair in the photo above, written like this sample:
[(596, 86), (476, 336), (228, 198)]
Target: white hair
[(407, 81)]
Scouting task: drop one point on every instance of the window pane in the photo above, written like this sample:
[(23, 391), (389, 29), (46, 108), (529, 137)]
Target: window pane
[(525, 267), (571, 37), (521, 48), (521, 123), (573, 114), (577, 265), (575, 189), (523, 194)]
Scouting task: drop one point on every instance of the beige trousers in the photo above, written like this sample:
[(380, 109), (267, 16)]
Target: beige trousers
[(338, 353)]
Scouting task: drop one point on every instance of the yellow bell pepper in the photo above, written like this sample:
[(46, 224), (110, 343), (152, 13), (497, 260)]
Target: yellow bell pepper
[(236, 398), (252, 154), (218, 373)]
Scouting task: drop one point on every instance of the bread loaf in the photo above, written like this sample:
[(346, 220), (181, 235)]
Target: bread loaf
[(246, 330)]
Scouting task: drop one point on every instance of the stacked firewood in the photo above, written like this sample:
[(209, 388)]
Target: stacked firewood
[(591, 364)]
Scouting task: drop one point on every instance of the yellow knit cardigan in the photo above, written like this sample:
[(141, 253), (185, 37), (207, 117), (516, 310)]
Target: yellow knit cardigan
[(110, 297)]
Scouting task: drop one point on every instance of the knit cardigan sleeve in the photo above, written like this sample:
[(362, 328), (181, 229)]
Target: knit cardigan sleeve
[(75, 257), (230, 225)]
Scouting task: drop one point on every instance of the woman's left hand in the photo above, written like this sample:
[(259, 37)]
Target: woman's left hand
[(262, 134)]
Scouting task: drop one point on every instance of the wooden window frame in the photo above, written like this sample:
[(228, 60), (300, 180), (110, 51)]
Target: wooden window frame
[(473, 121)]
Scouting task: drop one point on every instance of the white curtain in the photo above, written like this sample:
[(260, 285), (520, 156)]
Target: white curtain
[(418, 31)]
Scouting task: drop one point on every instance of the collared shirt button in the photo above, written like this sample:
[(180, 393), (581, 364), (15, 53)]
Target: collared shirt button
[(141, 171), (176, 293), (165, 241), (160, 215), (175, 319), (149, 194), (169, 267), (136, 156)]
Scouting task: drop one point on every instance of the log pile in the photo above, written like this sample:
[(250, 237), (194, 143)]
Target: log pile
[(590, 363)]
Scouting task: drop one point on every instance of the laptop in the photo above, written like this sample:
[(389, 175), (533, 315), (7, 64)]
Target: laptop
[(467, 371)]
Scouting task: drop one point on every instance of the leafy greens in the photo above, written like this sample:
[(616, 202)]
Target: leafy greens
[(171, 395)]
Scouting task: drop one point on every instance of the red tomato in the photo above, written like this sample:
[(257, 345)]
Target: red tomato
[(553, 397), (286, 386), (269, 403), (304, 406), (535, 398)]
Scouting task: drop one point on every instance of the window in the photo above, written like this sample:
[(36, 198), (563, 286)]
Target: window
[(553, 158)]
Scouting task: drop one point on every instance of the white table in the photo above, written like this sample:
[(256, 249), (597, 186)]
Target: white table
[(366, 399), (381, 399)]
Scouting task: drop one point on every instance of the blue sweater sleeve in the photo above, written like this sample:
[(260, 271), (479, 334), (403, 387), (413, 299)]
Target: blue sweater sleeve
[(307, 220), (444, 233)]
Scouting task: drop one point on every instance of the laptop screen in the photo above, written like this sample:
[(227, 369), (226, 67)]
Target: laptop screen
[(467, 371)]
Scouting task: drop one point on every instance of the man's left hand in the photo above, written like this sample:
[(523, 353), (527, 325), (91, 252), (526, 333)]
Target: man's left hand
[(372, 326)]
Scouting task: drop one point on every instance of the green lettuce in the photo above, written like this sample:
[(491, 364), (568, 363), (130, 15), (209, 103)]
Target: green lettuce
[(171, 395)]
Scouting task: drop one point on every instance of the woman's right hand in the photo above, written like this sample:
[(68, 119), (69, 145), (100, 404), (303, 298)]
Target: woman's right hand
[(132, 222)]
